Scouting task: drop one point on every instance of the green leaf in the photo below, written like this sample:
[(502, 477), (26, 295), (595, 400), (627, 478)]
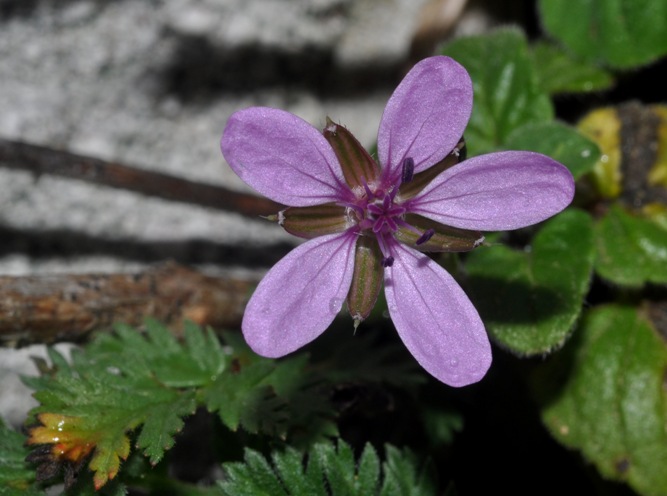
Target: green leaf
[(16, 477), (338, 467), (605, 396), (160, 424), (369, 469), (127, 381), (529, 300), (507, 93), (620, 33), (558, 141), (558, 72), (328, 470), (255, 477), (289, 464), (280, 398), (403, 475), (631, 250)]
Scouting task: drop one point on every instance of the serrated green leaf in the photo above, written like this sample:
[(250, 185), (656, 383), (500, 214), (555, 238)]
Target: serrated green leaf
[(158, 354), (558, 72), (16, 477), (558, 141), (244, 400), (328, 470), (205, 348), (275, 397), (620, 33), (255, 476), (403, 475), (605, 396), (506, 91), (96, 412), (160, 425), (338, 464), (529, 300), (115, 386), (58, 361), (160, 336), (368, 476), (148, 382), (280, 397), (631, 250), (289, 466)]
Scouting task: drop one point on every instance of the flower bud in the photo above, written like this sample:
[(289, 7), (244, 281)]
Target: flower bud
[(358, 166), (366, 280)]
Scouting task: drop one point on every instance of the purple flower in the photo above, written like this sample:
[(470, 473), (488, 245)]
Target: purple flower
[(368, 221)]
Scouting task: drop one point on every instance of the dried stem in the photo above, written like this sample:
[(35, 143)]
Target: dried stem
[(42, 160), (46, 309)]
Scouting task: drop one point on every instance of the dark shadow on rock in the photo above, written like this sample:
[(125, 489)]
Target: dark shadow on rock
[(10, 9), (70, 244), (198, 70)]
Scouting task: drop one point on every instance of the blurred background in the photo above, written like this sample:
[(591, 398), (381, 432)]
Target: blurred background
[(151, 84)]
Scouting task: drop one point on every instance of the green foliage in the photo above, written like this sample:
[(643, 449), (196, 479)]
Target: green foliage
[(558, 72), (507, 94), (558, 141), (631, 250), (605, 396), (143, 384), (529, 300), (618, 33), (126, 381), (328, 470), (16, 477)]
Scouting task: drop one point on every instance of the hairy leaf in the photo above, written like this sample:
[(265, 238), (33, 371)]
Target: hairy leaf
[(605, 396), (530, 300), (558, 141), (127, 381), (506, 90), (620, 33), (16, 477), (631, 250), (558, 72), (328, 470)]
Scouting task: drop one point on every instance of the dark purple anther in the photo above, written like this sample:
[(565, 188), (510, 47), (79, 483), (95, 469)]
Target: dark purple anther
[(428, 234), (408, 170), (388, 262)]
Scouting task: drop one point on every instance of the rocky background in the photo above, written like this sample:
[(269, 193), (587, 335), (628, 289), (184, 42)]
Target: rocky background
[(151, 83)]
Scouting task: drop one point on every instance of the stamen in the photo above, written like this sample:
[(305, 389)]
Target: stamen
[(369, 193), (387, 260), (408, 170), (428, 234)]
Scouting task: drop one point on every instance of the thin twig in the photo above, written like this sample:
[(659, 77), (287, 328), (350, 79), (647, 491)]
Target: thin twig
[(46, 309), (43, 160)]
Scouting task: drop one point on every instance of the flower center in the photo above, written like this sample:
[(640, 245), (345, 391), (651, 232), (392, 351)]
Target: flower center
[(380, 214), (384, 213)]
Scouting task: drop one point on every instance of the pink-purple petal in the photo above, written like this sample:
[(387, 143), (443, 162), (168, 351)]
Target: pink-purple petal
[(425, 117), (497, 192), (282, 157), (435, 319), (300, 296)]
